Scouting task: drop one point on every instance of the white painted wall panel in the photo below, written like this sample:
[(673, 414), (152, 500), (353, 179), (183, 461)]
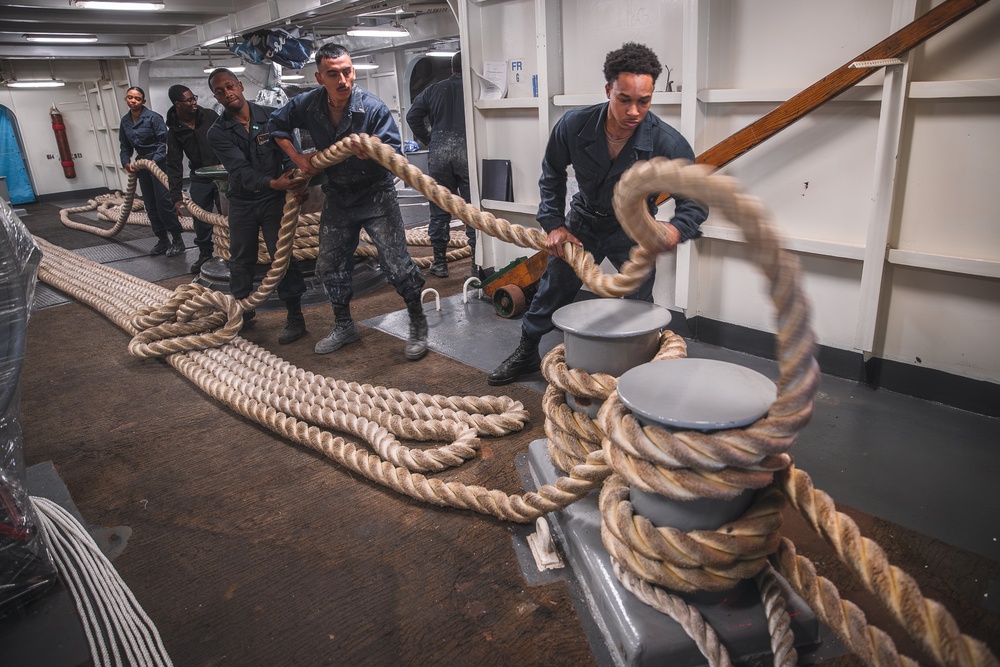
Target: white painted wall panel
[(951, 204), (816, 176), (944, 321), (592, 28), (732, 289), (777, 43), (961, 51)]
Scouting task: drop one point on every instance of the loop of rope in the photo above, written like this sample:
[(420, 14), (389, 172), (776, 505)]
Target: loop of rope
[(924, 619), (685, 465), (194, 318), (708, 560), (868, 642), (687, 616)]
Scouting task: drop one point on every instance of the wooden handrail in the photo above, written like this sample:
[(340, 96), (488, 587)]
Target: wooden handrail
[(833, 84)]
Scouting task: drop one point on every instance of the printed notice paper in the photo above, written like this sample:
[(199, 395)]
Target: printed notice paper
[(493, 80)]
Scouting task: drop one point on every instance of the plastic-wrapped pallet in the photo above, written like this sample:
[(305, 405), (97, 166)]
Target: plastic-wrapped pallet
[(26, 571)]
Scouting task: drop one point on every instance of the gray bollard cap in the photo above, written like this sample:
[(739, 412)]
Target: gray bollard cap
[(699, 394), (610, 335)]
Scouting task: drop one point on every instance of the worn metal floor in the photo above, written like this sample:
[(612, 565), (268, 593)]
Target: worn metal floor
[(923, 466)]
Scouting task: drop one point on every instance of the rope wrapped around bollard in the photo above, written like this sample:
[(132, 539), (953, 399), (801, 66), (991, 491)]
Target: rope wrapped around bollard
[(688, 464), (685, 464), (572, 435)]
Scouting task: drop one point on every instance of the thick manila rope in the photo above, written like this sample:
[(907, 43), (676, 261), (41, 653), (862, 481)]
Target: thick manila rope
[(112, 207), (926, 620), (687, 465), (626, 281), (868, 642), (655, 459), (111, 210), (572, 435), (126, 208), (700, 560), (118, 295)]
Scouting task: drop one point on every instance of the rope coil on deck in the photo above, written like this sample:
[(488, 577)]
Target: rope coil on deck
[(114, 207), (300, 405)]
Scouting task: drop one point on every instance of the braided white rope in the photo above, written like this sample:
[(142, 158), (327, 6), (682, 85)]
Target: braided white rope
[(94, 583)]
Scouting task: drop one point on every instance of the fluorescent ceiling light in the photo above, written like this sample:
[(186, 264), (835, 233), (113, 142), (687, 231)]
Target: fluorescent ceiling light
[(292, 77), (378, 31), (441, 54), (361, 66), (61, 39), (44, 83), (125, 6), (239, 69)]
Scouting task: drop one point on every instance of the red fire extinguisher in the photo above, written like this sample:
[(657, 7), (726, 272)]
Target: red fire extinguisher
[(65, 155)]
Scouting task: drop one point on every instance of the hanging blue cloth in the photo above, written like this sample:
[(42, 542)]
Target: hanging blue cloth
[(12, 162)]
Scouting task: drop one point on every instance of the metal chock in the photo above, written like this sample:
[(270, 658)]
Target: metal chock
[(543, 547)]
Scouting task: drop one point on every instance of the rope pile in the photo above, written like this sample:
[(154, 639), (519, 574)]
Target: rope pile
[(306, 408), (684, 465), (115, 208)]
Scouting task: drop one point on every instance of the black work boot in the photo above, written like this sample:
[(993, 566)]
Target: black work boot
[(176, 247), (295, 328), (198, 263), (161, 247), (440, 266), (416, 344), (524, 360), (248, 316), (295, 325)]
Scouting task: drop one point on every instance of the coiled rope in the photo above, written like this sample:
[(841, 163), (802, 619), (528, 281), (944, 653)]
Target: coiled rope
[(301, 405), (684, 465), (115, 207), (679, 465)]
